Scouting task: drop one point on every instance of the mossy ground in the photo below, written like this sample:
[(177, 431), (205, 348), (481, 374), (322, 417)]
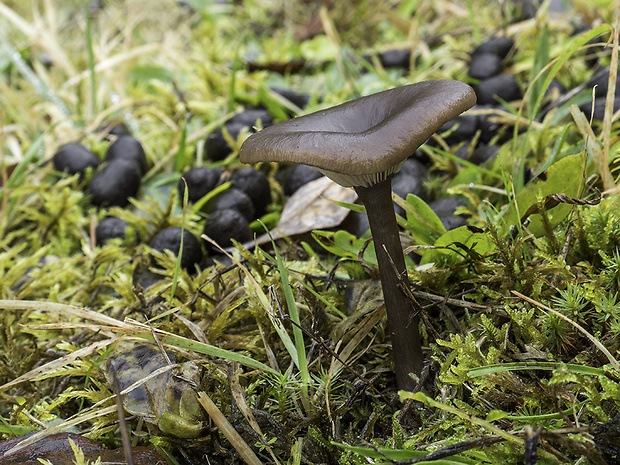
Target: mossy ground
[(521, 319)]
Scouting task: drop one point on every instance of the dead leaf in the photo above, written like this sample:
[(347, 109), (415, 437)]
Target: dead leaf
[(554, 200), (311, 207)]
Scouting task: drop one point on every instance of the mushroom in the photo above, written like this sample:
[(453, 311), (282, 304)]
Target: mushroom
[(361, 144)]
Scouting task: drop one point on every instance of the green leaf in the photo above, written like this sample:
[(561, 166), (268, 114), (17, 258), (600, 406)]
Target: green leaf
[(145, 73), (563, 177), (502, 367), (422, 222), (495, 415), (541, 59), (344, 244), (458, 243), (577, 43)]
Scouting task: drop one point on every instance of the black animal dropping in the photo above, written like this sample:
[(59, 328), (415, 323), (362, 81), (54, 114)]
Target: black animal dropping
[(74, 158), (114, 183), (170, 239), (127, 147)]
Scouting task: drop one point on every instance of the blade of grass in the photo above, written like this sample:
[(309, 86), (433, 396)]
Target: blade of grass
[(473, 21), (541, 59), (609, 102), (228, 430), (40, 87), (132, 328), (197, 206), (140, 330), (56, 364), (466, 163), (202, 348), (556, 64), (298, 334), (18, 175), (114, 61), (593, 147), (421, 397), (88, 415), (91, 62), (515, 366), (326, 302), (180, 157), (405, 456), (237, 65), (548, 72), (177, 265), (40, 34), (264, 301)]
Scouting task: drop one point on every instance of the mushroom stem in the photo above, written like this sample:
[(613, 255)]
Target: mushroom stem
[(403, 320)]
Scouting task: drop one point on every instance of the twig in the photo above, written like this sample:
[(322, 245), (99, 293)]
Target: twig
[(121, 417), (454, 449)]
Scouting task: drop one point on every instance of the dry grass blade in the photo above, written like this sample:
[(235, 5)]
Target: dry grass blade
[(41, 35), (113, 62), (593, 147), (611, 91), (364, 329), (239, 396), (228, 431), (85, 415), (594, 340), (66, 311), (54, 365)]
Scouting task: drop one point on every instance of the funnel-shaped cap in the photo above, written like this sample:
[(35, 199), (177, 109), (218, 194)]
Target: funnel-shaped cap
[(362, 142)]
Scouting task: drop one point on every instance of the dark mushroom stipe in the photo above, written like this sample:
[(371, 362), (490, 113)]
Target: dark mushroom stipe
[(401, 312), (362, 143)]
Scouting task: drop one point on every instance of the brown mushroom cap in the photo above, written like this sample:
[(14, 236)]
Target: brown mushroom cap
[(362, 142)]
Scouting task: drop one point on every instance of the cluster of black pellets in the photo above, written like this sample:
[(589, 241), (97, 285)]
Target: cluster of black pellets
[(229, 214), (116, 179)]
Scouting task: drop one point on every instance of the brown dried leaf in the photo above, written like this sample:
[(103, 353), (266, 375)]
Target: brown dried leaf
[(311, 207), (554, 200)]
